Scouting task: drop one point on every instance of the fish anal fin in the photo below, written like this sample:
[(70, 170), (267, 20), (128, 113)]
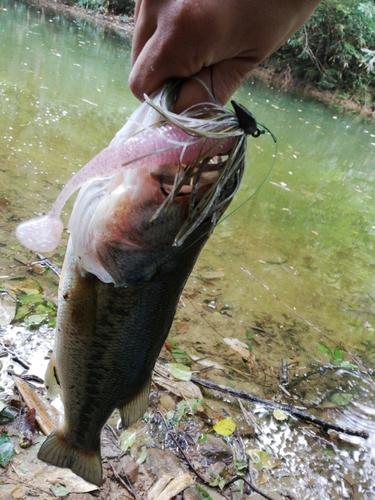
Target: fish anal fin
[(133, 410), (58, 452), (51, 381)]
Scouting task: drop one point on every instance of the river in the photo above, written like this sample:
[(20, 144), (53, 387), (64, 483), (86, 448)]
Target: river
[(306, 236)]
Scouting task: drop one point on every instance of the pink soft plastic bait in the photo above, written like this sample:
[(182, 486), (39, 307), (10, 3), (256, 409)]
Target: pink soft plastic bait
[(166, 144)]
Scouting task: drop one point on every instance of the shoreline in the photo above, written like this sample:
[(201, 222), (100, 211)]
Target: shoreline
[(265, 72), (285, 81)]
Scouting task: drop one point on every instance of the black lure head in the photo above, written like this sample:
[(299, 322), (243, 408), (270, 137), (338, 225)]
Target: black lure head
[(246, 120)]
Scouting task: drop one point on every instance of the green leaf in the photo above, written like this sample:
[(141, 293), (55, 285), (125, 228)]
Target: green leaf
[(185, 407), (127, 439), (178, 354), (225, 427), (59, 491), (260, 459), (204, 493), (30, 299), (348, 365), (8, 414), (179, 371), (338, 354), (142, 457), (202, 438), (6, 449), (341, 398), (280, 415), (22, 311), (34, 319), (325, 349), (239, 466)]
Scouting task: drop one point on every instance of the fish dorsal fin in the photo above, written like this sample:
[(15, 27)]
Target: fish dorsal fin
[(133, 410)]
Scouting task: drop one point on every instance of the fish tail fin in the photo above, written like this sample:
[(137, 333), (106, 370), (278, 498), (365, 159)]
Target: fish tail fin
[(58, 452), (51, 381), (133, 410)]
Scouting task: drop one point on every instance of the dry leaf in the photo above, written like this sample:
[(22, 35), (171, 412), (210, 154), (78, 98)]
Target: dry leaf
[(47, 416), (238, 346)]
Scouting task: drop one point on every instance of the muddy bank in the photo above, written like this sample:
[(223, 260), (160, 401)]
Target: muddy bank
[(286, 81), (107, 20)]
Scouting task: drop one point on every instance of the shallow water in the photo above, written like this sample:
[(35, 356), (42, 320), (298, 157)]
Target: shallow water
[(308, 233)]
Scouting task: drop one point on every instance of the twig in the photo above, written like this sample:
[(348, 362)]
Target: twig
[(112, 435), (201, 314), (250, 484), (128, 488), (307, 417), (49, 264), (15, 358), (171, 433), (319, 369), (201, 477), (18, 360), (313, 57)]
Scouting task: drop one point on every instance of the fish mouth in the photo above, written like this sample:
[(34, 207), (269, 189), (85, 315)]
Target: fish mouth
[(190, 180)]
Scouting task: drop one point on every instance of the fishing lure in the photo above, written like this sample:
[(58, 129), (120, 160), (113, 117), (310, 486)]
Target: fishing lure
[(198, 138)]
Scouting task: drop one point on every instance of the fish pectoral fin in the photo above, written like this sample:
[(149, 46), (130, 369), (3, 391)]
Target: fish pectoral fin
[(51, 381), (133, 410), (58, 452)]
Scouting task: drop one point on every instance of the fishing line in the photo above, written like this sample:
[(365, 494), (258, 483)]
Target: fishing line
[(212, 84), (263, 181)]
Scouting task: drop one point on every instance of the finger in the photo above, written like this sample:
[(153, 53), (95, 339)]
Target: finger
[(225, 79), (145, 27), (157, 62)]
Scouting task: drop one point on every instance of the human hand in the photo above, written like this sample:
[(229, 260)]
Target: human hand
[(185, 38)]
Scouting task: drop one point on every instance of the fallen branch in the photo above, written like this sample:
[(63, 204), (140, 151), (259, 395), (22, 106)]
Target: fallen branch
[(301, 415), (250, 485), (311, 373)]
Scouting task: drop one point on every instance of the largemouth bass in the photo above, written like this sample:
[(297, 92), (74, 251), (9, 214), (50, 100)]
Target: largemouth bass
[(135, 237)]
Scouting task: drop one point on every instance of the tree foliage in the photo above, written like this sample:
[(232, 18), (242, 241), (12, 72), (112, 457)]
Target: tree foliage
[(116, 6), (336, 47)]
